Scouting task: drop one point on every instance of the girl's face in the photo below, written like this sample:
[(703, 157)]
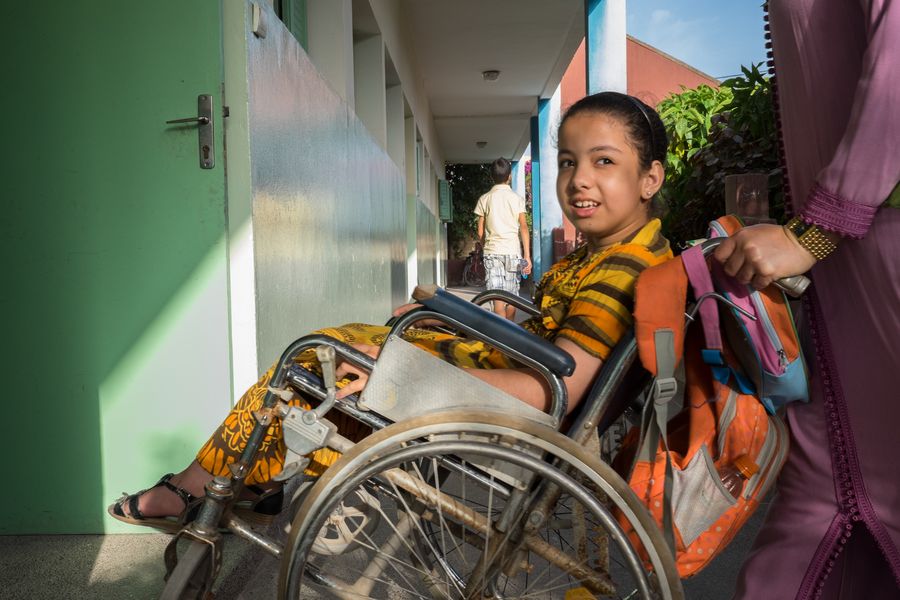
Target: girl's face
[(601, 187)]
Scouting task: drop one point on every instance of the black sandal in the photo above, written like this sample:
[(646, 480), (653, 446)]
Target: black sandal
[(168, 524), (263, 509)]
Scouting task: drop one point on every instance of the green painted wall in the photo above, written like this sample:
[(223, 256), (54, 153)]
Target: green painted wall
[(115, 353)]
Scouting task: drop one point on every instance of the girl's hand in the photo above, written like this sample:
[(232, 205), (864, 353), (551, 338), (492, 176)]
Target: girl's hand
[(362, 377), (405, 308), (760, 254)]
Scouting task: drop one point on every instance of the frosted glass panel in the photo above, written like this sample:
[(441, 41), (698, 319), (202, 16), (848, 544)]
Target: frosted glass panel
[(328, 203)]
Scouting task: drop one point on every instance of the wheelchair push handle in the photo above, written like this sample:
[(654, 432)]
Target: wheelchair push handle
[(425, 292), (793, 286)]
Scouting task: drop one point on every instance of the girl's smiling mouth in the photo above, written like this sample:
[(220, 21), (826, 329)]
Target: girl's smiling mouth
[(584, 207)]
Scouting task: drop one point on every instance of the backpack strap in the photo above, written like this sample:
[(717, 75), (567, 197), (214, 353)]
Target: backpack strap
[(702, 284), (660, 296), (654, 422)]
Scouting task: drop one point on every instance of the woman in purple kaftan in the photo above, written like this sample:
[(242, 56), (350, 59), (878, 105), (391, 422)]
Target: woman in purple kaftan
[(833, 530)]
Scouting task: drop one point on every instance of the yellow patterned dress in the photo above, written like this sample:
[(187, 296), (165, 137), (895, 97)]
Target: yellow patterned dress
[(587, 298)]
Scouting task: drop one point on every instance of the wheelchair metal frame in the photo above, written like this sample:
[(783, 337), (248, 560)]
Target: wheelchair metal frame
[(609, 397)]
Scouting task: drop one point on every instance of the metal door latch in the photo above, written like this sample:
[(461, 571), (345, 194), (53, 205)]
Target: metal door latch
[(205, 130)]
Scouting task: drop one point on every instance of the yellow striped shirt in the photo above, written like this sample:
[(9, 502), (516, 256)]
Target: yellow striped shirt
[(588, 297)]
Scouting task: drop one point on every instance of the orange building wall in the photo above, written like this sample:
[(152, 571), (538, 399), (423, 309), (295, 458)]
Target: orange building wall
[(652, 74), (573, 86)]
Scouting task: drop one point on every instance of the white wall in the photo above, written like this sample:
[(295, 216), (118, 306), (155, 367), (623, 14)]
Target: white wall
[(387, 14), (330, 43), (369, 86)]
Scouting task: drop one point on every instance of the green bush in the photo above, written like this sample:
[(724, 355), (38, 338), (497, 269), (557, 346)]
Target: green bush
[(467, 184), (714, 133)]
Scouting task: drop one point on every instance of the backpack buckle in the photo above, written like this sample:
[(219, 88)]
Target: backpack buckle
[(664, 389), (712, 357)]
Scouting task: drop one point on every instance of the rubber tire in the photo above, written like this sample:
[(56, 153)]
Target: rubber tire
[(382, 442)]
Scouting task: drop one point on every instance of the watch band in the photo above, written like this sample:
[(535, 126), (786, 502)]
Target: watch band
[(811, 238)]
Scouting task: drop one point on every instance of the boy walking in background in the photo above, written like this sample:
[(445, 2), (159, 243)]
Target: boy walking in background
[(501, 223)]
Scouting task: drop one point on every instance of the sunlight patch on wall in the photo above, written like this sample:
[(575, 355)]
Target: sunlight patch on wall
[(171, 389), (242, 288)]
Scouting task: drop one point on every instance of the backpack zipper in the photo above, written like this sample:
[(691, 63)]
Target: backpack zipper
[(761, 314), (777, 432), (725, 419), (769, 328)]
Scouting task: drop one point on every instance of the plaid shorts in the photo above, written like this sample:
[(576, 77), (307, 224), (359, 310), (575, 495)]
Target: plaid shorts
[(501, 272)]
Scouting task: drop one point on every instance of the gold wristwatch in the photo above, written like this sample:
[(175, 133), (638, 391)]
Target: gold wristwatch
[(811, 238)]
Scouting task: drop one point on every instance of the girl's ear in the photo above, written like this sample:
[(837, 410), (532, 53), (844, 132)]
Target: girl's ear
[(652, 180)]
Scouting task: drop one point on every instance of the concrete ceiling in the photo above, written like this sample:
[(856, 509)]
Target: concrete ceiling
[(530, 42)]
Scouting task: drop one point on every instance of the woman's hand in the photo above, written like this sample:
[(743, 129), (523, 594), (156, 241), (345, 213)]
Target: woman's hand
[(760, 254), (347, 368)]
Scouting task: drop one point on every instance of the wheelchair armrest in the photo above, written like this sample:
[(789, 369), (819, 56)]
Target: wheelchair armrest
[(508, 297), (495, 327)]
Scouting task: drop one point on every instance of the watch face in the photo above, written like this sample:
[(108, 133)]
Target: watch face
[(798, 226)]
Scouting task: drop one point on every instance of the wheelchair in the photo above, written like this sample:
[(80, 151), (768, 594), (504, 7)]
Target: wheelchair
[(461, 491)]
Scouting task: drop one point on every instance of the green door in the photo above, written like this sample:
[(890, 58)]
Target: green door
[(115, 354)]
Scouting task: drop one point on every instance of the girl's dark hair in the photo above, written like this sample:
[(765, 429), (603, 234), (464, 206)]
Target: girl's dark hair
[(645, 129)]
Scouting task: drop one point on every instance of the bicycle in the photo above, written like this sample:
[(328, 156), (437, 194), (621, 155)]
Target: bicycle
[(474, 273)]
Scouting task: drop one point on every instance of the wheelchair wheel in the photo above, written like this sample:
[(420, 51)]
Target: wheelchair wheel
[(445, 506), (192, 576)]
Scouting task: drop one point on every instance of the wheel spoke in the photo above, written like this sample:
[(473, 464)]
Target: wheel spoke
[(437, 532)]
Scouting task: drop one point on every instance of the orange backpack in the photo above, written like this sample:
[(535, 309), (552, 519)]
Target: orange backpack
[(675, 458)]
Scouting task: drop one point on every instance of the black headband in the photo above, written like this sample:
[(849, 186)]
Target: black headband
[(640, 107)]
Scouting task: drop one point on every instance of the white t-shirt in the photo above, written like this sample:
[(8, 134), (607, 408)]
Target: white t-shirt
[(501, 208)]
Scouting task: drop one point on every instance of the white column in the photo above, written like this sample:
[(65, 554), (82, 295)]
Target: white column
[(330, 41), (605, 46), (369, 86), (518, 182), (551, 214)]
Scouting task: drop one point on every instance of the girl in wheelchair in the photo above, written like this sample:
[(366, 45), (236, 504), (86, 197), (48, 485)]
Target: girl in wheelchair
[(611, 152)]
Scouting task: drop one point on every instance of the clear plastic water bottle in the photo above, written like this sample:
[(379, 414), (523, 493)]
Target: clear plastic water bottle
[(734, 475), (522, 264)]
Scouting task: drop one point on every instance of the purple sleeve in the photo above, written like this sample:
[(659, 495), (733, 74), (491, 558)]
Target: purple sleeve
[(866, 165)]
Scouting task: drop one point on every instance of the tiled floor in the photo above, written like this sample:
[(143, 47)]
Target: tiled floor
[(130, 567), (124, 567)]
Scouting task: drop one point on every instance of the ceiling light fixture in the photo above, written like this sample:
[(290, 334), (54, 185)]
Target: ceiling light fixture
[(481, 144), (491, 75)]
